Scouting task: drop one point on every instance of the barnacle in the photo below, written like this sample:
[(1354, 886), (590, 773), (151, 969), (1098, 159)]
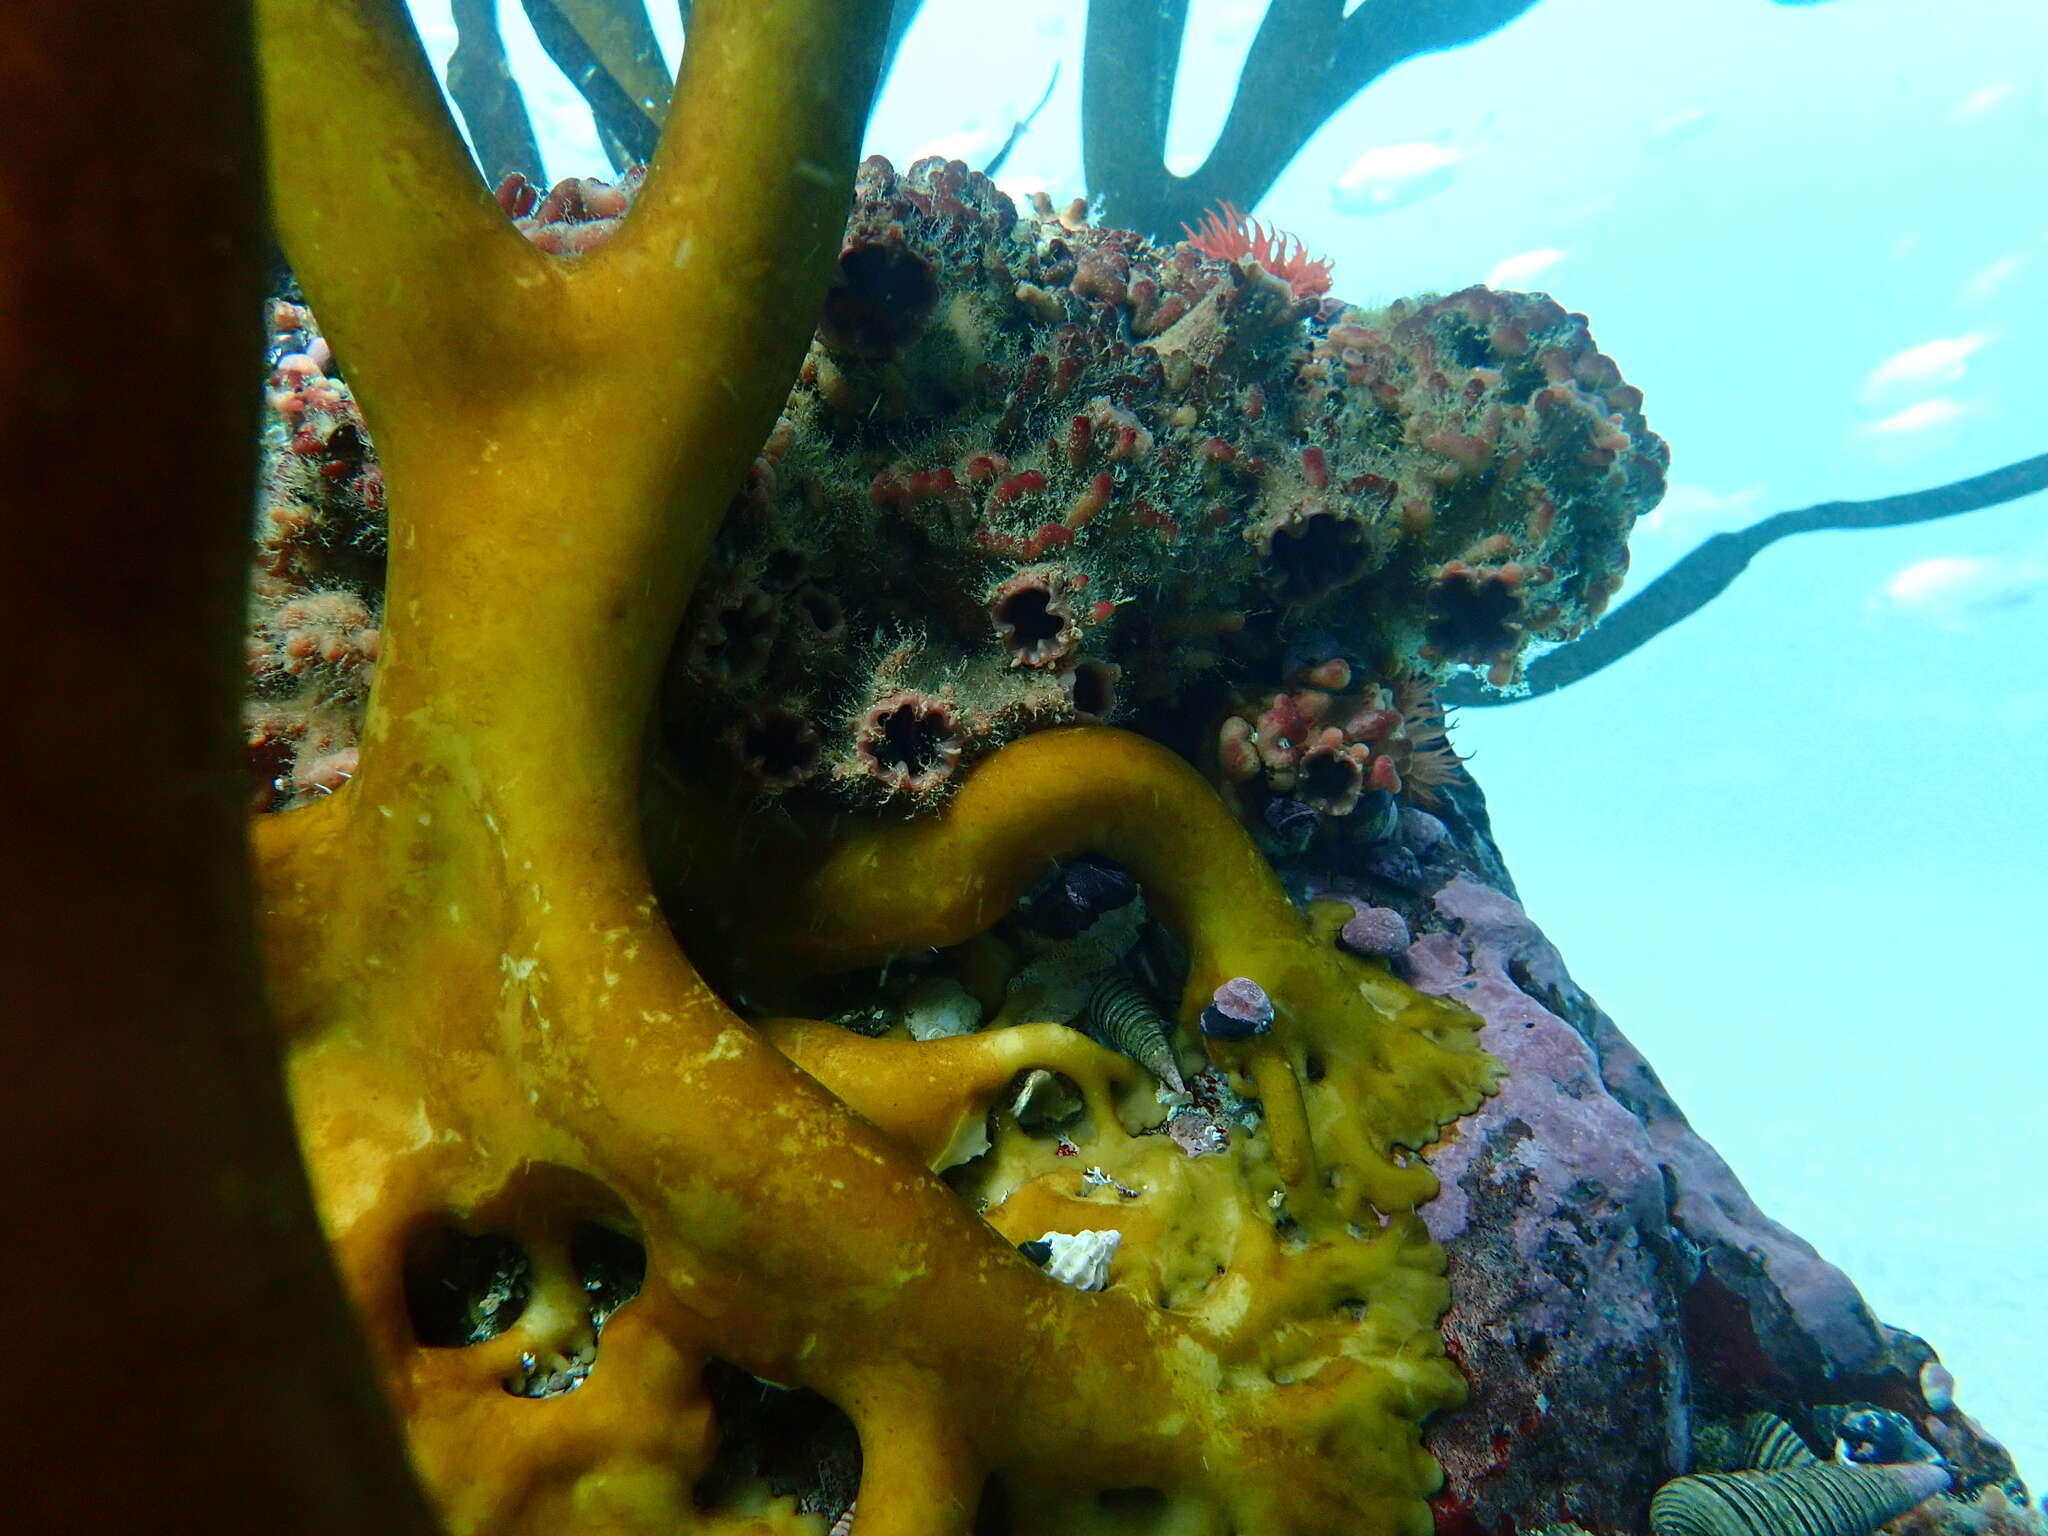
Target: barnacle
[(1033, 615), (908, 742), (1306, 552)]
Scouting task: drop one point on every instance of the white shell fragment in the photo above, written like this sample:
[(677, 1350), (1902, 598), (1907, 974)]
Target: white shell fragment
[(1081, 1259), (939, 1008)]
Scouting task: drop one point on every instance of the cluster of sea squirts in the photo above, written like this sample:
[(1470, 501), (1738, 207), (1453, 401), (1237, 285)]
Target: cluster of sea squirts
[(1035, 473)]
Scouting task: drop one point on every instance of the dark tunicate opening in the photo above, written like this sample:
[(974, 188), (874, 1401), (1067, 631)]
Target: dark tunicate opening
[(745, 625), (1469, 347), (822, 609), (1031, 623), (776, 1442), (783, 569), (1522, 377), (462, 1289), (1328, 777), (1467, 620), (909, 740), (780, 748), (1313, 557), (345, 445), (1313, 1068), (879, 301), (612, 1267), (1094, 689)]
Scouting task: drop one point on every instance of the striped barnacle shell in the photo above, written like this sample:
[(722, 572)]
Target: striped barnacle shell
[(1768, 1443), (1121, 1016), (1816, 1499)]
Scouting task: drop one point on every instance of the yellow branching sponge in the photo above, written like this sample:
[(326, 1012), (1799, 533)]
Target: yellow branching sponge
[(492, 1031)]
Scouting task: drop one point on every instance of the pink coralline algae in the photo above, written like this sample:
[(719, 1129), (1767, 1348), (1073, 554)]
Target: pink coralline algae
[(1613, 1286), (1036, 473)]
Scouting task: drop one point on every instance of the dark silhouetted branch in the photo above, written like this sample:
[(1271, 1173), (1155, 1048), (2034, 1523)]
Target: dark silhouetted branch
[(1706, 573), (1307, 61), (487, 96), (1021, 126), (608, 50)]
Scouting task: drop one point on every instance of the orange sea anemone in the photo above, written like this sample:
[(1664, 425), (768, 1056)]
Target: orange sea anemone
[(1227, 234), (1431, 762)]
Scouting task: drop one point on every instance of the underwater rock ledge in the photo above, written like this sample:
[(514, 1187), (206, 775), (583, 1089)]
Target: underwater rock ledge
[(1619, 1303)]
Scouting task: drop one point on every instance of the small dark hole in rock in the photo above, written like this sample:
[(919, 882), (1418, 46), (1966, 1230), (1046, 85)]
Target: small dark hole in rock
[(612, 1267), (879, 301), (1470, 348), (462, 1290), (744, 623), (777, 1442), (783, 569), (1094, 689), (780, 748), (822, 609)]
